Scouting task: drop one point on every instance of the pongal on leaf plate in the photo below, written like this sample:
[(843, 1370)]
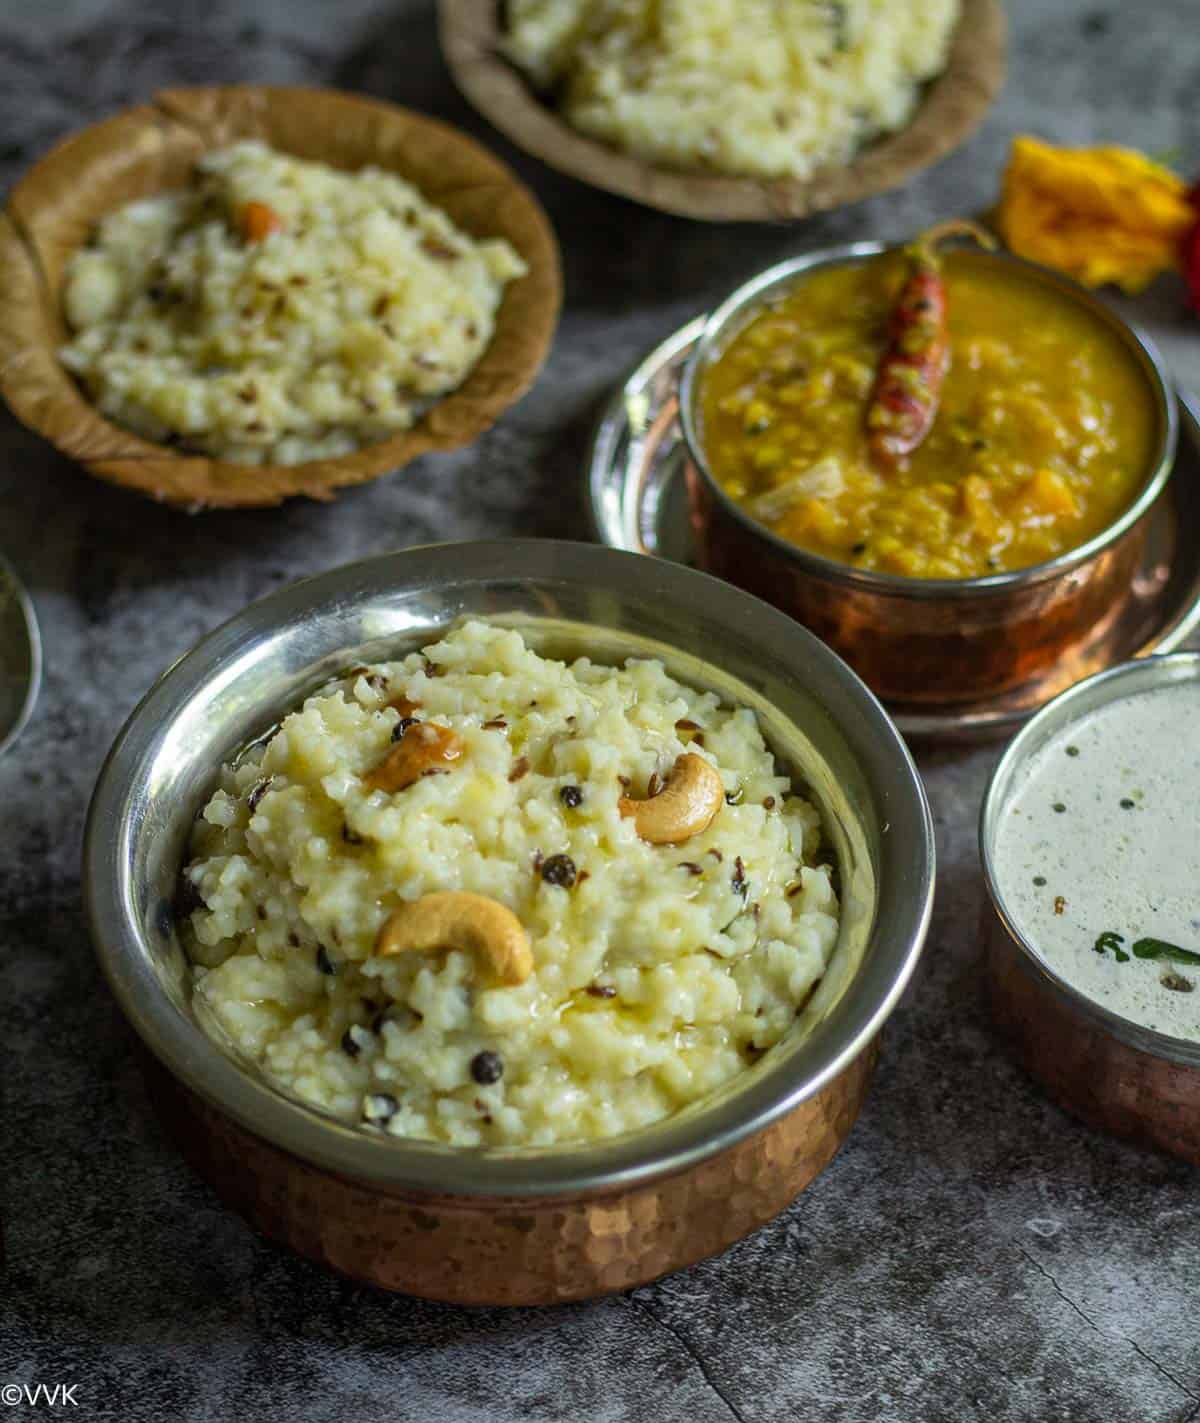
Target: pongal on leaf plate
[(236, 295), (829, 114), (1090, 842), (536, 1150), (1022, 432)]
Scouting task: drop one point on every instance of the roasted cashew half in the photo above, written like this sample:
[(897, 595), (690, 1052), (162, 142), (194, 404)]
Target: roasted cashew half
[(424, 749), (683, 808), (454, 919)]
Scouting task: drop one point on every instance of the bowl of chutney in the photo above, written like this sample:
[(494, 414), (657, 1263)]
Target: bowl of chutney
[(1006, 534)]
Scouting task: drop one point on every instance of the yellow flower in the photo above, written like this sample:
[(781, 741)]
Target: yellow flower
[(1098, 214)]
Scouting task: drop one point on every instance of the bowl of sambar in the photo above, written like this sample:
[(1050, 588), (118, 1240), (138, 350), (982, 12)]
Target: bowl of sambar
[(1008, 534)]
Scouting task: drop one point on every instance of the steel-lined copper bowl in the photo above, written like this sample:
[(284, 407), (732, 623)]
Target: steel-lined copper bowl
[(923, 640), (1111, 1073), (534, 1225)]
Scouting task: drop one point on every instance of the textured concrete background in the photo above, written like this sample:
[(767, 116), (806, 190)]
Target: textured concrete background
[(971, 1255)]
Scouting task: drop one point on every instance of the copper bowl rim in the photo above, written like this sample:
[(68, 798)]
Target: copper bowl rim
[(755, 294), (302, 630), (1145, 674)]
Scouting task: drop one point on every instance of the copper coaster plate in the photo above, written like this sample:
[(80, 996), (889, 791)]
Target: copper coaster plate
[(638, 502)]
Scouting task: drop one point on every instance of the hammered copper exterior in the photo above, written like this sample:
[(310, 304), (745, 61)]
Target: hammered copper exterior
[(1105, 1082), (925, 650), (519, 1251)]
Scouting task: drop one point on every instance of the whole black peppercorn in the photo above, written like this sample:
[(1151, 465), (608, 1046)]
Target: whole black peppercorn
[(487, 1067), (560, 870), (571, 796)]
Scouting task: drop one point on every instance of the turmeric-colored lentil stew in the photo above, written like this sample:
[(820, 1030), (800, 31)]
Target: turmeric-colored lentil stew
[(1043, 437)]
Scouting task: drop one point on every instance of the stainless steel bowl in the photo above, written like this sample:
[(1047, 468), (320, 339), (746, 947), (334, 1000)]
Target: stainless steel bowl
[(925, 640), (1114, 1074), (535, 1224)]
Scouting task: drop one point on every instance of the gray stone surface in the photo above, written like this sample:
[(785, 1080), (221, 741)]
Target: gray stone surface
[(971, 1255)]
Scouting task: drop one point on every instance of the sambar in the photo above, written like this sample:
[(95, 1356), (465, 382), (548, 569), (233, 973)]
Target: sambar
[(1044, 436)]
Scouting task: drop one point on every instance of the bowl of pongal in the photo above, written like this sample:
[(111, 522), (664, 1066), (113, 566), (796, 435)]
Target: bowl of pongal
[(939, 457), (509, 922), (230, 296), (751, 113)]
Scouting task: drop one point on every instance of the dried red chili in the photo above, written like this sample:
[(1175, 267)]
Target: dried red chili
[(908, 384)]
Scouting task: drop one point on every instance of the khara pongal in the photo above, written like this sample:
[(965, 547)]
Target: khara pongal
[(584, 897), (742, 87), (279, 311)]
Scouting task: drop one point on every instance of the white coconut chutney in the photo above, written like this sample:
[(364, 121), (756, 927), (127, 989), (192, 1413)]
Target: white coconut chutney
[(1101, 837)]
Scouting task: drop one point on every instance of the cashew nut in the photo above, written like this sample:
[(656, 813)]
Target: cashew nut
[(457, 920), (683, 808), (424, 748)]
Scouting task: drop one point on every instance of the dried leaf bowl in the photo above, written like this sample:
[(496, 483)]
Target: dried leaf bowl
[(151, 149), (953, 105)]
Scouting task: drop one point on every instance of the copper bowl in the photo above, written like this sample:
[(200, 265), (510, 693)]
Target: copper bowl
[(1113, 1074), (923, 641), (534, 1225)]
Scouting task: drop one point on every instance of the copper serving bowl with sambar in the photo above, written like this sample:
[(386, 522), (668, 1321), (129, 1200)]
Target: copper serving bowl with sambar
[(922, 640)]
